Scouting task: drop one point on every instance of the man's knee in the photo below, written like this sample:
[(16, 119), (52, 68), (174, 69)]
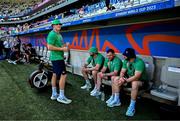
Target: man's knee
[(83, 70), (115, 80), (113, 77), (63, 75), (54, 75), (135, 85), (94, 73)]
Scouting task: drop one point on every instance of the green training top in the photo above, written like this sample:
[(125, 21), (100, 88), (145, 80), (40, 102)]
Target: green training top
[(98, 60), (114, 65), (55, 39), (137, 65)]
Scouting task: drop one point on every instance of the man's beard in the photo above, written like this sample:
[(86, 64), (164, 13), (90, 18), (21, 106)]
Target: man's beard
[(127, 59)]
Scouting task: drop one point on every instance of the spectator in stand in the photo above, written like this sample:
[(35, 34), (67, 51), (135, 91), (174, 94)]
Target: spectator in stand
[(7, 47), (18, 43), (29, 52), (81, 12), (107, 3), (1, 49), (110, 7), (14, 56)]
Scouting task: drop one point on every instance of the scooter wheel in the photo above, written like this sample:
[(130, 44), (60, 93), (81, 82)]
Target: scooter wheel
[(38, 79)]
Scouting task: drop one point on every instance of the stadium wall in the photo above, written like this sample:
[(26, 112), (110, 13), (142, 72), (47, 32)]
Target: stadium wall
[(159, 39)]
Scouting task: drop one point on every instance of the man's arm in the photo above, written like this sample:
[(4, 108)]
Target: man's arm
[(114, 73), (85, 65), (140, 66), (51, 47), (135, 77), (96, 68), (103, 70), (122, 73)]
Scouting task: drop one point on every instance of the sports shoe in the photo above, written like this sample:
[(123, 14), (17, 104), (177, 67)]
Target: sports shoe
[(96, 93), (14, 62), (64, 100), (110, 99), (54, 97), (114, 103), (86, 86), (130, 111), (9, 61), (93, 91)]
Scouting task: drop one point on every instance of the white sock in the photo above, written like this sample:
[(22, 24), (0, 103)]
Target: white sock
[(95, 88), (116, 97), (87, 82), (132, 103), (61, 93), (54, 91), (113, 96)]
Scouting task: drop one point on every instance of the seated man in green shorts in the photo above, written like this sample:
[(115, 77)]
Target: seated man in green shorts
[(97, 61), (134, 72), (112, 67)]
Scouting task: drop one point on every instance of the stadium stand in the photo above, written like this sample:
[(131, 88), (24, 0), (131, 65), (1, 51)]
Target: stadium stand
[(87, 10), (13, 9)]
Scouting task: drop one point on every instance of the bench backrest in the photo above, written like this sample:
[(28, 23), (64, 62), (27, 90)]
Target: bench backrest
[(170, 73), (149, 63)]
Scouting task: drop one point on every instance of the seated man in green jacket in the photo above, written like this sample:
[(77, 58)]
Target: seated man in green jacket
[(112, 67), (96, 60), (134, 72)]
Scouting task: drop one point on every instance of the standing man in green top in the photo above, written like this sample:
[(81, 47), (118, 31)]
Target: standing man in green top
[(134, 72), (96, 60), (112, 67), (57, 47)]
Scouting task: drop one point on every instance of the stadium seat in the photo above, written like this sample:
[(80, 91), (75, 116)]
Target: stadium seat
[(44, 53), (170, 79), (40, 51)]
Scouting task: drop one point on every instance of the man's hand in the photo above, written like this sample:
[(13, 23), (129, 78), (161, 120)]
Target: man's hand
[(101, 75), (85, 69), (64, 49), (67, 44), (122, 80)]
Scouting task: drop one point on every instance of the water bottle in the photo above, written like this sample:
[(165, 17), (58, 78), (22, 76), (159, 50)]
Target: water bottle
[(102, 93), (102, 96)]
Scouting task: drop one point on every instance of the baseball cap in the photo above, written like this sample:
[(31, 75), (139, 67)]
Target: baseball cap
[(129, 53), (93, 50), (56, 21)]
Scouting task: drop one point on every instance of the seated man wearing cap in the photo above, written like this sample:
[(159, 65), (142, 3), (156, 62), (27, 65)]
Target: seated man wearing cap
[(57, 47), (96, 60), (134, 72), (112, 67)]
